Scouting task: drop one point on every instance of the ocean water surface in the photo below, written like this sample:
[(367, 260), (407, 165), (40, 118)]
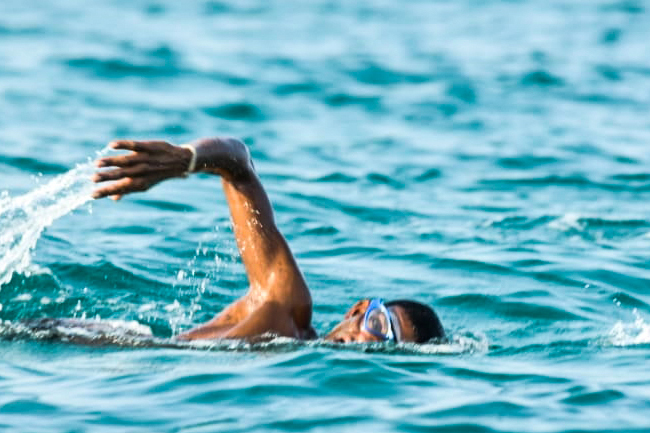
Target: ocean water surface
[(488, 158)]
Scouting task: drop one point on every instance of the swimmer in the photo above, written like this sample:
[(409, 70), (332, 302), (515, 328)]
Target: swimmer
[(278, 299)]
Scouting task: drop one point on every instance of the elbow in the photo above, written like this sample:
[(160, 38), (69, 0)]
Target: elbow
[(225, 156)]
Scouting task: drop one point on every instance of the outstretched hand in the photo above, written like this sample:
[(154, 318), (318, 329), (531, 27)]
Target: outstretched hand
[(149, 163)]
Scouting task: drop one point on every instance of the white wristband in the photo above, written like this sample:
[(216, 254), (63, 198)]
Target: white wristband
[(192, 166)]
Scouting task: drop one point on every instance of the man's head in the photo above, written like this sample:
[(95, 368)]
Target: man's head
[(372, 320)]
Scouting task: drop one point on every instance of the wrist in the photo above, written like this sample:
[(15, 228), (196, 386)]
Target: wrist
[(191, 164)]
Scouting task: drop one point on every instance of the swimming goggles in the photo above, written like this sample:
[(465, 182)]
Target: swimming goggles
[(378, 321)]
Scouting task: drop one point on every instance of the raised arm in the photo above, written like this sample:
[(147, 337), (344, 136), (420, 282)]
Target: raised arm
[(278, 300)]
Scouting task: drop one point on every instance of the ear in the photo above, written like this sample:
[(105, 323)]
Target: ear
[(358, 308)]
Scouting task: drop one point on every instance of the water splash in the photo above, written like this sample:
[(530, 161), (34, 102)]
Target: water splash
[(23, 219), (630, 334)]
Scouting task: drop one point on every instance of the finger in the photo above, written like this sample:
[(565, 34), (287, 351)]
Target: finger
[(138, 146), (121, 187), (122, 160), (117, 197), (119, 173)]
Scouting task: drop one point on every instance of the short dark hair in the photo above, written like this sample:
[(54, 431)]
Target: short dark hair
[(426, 323)]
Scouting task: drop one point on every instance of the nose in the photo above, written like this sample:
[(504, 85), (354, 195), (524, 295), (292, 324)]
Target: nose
[(344, 332)]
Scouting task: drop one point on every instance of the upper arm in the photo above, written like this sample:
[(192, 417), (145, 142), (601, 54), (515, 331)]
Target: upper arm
[(273, 274), (272, 270)]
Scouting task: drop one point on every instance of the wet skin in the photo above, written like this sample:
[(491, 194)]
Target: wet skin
[(278, 300)]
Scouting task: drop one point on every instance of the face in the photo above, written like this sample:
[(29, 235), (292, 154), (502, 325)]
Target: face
[(351, 330)]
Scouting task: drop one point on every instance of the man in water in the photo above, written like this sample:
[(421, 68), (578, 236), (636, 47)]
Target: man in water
[(278, 300)]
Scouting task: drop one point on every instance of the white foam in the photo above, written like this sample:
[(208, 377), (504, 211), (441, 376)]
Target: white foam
[(630, 334), (23, 218), (569, 221)]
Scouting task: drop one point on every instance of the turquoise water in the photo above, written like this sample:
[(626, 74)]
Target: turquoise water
[(488, 158)]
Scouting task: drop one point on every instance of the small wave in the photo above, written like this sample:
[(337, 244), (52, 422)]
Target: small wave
[(541, 78), (289, 89), (627, 6), (32, 165), (525, 162), (370, 103), (374, 74), (120, 68), (518, 310)]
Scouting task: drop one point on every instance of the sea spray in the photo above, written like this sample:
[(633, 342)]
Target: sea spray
[(23, 218)]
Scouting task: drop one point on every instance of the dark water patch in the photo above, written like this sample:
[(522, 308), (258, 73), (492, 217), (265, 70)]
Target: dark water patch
[(168, 386), (461, 427), (166, 205), (490, 209), (583, 397), (463, 91), (556, 278), (374, 74), (236, 111), (330, 420), (119, 68), (600, 277), (227, 78), (611, 36), (530, 294), (158, 54), (602, 223), (576, 180), (21, 407), (632, 177), (381, 215), (103, 274), (625, 300), (551, 349), (382, 179), (21, 30), (297, 88), (609, 72), (504, 377), (33, 165), (336, 177), (133, 230), (541, 78), (520, 222), (339, 100), (498, 307), (604, 99), (494, 408), (320, 231), (442, 112), (216, 8), (154, 9), (627, 6), (626, 159), (428, 174), (349, 251), (525, 162), (254, 393), (553, 180)]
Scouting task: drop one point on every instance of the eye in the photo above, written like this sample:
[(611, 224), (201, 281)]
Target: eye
[(377, 322)]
